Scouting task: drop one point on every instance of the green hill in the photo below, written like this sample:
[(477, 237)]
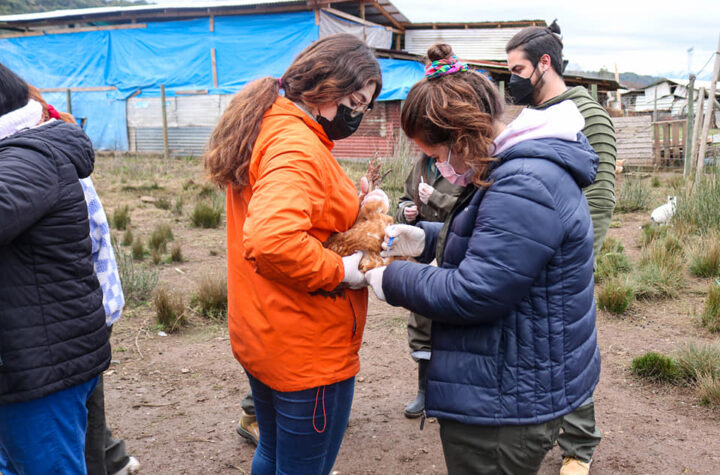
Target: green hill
[(12, 7)]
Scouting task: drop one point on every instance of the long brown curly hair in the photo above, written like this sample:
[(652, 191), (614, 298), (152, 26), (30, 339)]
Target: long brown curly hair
[(34, 94), (325, 71), (458, 110)]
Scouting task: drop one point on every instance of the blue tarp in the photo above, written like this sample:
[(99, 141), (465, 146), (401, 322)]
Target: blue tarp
[(174, 53)]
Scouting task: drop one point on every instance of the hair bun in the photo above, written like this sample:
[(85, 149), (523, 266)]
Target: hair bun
[(554, 27), (439, 51)]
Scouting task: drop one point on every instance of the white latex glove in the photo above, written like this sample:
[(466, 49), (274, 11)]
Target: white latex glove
[(410, 213), (353, 277), (377, 195), (403, 240), (374, 278), (424, 192)]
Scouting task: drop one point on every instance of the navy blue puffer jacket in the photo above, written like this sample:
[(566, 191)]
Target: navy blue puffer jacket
[(52, 321), (513, 336)]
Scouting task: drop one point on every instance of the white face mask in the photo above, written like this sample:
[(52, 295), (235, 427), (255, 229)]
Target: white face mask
[(447, 170)]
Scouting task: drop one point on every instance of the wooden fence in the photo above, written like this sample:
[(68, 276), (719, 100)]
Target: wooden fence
[(634, 140), (669, 143), (647, 144)]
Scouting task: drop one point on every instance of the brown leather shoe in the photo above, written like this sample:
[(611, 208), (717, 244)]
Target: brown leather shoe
[(248, 427), (573, 466)]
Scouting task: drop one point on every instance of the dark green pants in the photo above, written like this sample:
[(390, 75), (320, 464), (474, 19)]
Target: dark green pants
[(491, 450), (580, 435), (419, 329)]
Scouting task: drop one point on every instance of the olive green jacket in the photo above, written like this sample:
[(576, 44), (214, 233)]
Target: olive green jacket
[(442, 199), (600, 132)]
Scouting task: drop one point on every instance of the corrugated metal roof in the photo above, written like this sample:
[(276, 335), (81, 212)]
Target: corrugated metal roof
[(57, 14), (470, 44)]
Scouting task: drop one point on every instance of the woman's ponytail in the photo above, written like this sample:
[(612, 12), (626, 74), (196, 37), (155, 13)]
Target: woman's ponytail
[(232, 141)]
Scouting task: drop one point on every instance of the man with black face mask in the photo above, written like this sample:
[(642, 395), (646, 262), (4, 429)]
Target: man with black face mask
[(535, 60)]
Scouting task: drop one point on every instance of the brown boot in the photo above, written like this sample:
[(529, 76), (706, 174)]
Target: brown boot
[(573, 466), (248, 427)]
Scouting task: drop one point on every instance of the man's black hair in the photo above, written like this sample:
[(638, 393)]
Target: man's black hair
[(13, 91), (536, 41)]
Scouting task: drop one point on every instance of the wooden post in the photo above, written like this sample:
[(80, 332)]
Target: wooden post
[(164, 121), (68, 99), (656, 144), (655, 106), (696, 131), (675, 137), (501, 88), (617, 93), (212, 22), (687, 143), (593, 91), (666, 142), (214, 67), (709, 111), (362, 16)]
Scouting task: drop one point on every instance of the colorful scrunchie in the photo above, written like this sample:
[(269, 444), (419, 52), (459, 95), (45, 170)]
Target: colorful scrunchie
[(443, 67)]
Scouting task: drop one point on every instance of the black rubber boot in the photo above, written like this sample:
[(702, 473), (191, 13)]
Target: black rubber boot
[(415, 408)]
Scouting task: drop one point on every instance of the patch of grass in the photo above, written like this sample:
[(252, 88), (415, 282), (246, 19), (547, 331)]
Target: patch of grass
[(655, 182), (138, 282), (207, 190), (656, 367), (144, 187), (162, 203), (160, 237), (205, 215), (138, 250), (178, 206), (698, 207), (632, 195), (211, 296), (611, 261), (705, 259), (169, 309), (121, 217), (127, 238), (616, 295), (711, 313), (652, 232), (155, 256), (661, 270), (695, 360), (176, 254), (708, 390)]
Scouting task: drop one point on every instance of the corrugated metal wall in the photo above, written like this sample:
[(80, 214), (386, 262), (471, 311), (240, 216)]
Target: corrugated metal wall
[(191, 120), (487, 44)]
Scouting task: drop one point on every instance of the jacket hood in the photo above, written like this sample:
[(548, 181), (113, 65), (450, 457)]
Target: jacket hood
[(552, 134), (62, 138)]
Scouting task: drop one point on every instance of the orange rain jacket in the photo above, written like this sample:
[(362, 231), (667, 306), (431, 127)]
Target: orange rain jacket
[(281, 332)]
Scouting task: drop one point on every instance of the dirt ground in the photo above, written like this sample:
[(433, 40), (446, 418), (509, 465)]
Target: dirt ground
[(176, 399)]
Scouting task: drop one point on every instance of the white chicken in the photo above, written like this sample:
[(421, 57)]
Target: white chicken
[(663, 214)]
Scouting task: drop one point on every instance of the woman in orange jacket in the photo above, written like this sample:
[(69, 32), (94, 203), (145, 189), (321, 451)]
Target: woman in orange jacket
[(296, 309)]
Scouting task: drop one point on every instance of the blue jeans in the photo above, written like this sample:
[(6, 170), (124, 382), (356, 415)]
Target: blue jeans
[(46, 435), (300, 431)]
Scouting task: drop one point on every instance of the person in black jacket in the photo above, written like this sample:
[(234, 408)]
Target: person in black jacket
[(514, 343), (53, 337)]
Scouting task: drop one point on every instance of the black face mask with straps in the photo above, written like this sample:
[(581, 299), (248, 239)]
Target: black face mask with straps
[(343, 125), (521, 89)]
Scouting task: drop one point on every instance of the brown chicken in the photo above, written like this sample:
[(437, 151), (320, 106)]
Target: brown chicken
[(368, 232)]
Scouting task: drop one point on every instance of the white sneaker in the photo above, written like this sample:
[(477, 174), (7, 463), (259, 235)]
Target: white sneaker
[(132, 467)]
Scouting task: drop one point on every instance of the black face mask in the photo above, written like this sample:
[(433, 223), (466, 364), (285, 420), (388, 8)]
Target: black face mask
[(343, 124), (522, 89)]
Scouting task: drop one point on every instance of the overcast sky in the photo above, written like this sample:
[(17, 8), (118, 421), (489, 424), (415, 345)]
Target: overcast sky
[(641, 36), (646, 37)]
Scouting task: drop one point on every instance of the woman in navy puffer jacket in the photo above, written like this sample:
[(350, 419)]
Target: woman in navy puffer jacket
[(514, 341)]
